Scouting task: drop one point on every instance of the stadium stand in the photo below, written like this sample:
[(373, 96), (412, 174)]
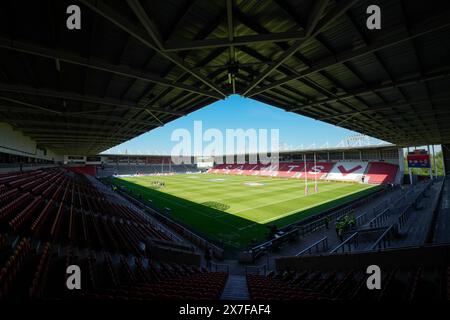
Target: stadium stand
[(403, 219), (347, 171), (49, 218), (381, 172), (313, 278), (285, 170), (350, 171), (90, 170), (147, 169), (414, 283), (56, 205), (37, 271)]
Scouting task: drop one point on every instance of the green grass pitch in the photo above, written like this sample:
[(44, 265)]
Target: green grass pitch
[(236, 210)]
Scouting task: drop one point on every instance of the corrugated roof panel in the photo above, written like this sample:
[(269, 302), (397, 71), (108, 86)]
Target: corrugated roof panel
[(342, 35), (434, 49), (322, 81), (369, 68), (343, 75), (439, 87), (417, 91), (392, 95), (314, 51), (400, 59)]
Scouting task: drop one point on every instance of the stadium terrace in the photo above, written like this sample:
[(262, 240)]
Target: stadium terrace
[(354, 222)]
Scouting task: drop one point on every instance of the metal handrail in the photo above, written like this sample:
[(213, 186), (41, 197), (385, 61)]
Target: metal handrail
[(382, 238), (217, 266), (270, 243), (346, 242), (316, 244), (375, 222), (403, 217), (262, 267), (334, 215)]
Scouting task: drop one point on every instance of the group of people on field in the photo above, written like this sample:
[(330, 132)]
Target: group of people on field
[(158, 184)]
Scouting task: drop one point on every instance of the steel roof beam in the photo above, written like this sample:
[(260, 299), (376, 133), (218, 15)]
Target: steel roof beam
[(314, 27), (387, 106), (119, 103), (100, 140), (370, 89), (56, 132), (186, 45), (38, 125), (142, 35), (98, 64), (390, 39), (35, 109)]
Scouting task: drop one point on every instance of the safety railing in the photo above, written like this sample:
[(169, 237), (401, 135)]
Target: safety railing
[(306, 228), (403, 217), (322, 243), (362, 218), (349, 244), (380, 218), (220, 267), (274, 243), (258, 270), (385, 239)]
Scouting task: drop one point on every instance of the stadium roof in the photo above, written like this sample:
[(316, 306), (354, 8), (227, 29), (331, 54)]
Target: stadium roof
[(136, 65), (383, 146)]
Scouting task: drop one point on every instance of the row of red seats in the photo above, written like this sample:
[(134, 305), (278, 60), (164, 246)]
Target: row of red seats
[(31, 179), (16, 222), (56, 224), (50, 179), (12, 266), (411, 283), (7, 195), (54, 216), (8, 177), (133, 287), (97, 204), (36, 226), (16, 204), (381, 172), (263, 288), (41, 273), (123, 277), (3, 241)]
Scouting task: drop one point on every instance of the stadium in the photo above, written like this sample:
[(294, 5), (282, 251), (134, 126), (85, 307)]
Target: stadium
[(80, 221)]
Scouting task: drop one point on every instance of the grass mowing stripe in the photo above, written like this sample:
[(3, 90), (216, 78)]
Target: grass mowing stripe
[(246, 207), (308, 207), (292, 198)]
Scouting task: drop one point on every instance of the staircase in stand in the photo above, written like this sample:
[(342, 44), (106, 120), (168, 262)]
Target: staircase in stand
[(236, 288)]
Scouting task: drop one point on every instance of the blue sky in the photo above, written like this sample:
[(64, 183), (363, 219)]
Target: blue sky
[(236, 112)]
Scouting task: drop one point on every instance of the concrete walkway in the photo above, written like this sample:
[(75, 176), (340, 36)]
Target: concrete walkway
[(419, 222), (442, 228), (236, 288)]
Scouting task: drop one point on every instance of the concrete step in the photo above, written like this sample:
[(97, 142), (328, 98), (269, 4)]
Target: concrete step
[(236, 288)]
